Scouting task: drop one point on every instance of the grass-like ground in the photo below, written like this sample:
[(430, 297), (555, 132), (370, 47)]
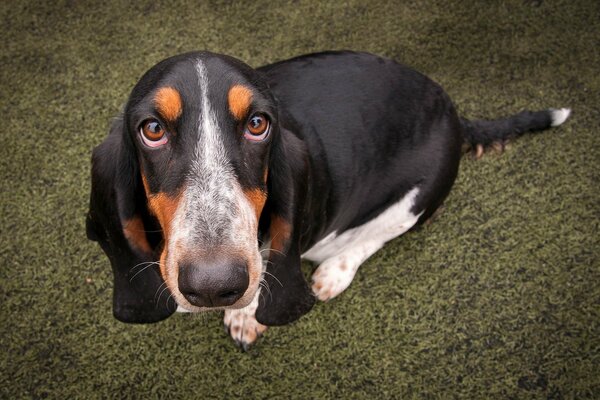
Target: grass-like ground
[(499, 298)]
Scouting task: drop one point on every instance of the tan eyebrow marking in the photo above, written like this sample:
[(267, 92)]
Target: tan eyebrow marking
[(239, 99), (168, 103)]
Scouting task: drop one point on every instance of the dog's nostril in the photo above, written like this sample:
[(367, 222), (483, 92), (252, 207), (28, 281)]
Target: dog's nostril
[(231, 293)]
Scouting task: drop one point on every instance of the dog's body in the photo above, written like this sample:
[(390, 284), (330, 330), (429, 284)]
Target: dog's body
[(325, 156)]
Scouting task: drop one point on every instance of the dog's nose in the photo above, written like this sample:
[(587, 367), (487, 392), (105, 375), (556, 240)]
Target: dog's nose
[(213, 285)]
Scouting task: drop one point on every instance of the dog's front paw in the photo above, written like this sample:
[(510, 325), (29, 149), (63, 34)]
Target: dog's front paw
[(242, 326), (332, 277)]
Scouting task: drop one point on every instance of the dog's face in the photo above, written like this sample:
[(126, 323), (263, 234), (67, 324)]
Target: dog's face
[(179, 187), (202, 128)]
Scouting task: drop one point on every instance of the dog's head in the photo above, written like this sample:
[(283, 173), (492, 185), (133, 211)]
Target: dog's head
[(199, 167)]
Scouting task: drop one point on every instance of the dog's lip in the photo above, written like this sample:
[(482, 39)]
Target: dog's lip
[(181, 309), (193, 309)]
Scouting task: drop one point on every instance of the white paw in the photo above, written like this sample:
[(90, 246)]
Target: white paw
[(242, 326), (332, 277)]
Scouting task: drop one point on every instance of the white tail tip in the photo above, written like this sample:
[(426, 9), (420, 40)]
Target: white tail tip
[(181, 309), (559, 115)]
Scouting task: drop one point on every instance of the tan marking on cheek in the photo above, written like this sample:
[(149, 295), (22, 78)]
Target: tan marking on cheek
[(239, 99), (163, 265), (280, 232), (257, 199), (145, 184), (163, 207), (135, 233), (266, 175), (168, 103)]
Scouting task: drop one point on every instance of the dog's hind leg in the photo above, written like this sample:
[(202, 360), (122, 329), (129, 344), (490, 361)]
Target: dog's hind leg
[(335, 274), (355, 245)]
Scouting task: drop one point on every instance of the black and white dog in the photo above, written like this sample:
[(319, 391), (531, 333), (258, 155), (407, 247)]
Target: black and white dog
[(215, 167)]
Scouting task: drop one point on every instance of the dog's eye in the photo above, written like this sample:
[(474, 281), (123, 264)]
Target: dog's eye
[(153, 134), (257, 127)]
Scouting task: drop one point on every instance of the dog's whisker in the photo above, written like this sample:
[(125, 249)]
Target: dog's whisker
[(143, 263), (266, 286), (260, 293), (274, 277), (142, 270), (161, 285), (161, 293), (271, 249)]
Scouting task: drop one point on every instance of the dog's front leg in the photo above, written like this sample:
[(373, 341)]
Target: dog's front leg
[(242, 325)]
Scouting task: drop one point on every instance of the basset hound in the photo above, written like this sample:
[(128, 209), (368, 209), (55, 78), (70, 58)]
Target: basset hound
[(218, 178)]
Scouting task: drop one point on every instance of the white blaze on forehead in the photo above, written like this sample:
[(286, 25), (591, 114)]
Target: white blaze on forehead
[(214, 217), (209, 146), (214, 208), (210, 195)]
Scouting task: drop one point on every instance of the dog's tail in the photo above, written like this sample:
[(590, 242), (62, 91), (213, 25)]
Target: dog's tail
[(482, 134)]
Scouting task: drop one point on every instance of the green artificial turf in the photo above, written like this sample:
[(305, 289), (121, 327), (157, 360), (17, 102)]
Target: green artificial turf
[(498, 298)]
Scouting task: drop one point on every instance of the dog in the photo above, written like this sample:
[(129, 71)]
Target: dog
[(217, 179)]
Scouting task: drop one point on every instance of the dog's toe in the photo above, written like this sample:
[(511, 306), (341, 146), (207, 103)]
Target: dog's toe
[(243, 327), (331, 278)]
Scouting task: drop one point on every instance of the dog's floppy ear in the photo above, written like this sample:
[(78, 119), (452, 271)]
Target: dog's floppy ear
[(289, 296), (119, 221)]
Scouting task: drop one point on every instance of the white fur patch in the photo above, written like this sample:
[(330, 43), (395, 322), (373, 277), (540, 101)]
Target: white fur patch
[(340, 256), (559, 116), (242, 324), (211, 190), (214, 217)]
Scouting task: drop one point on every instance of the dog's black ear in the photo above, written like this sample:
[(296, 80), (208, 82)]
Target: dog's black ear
[(289, 296), (119, 221)]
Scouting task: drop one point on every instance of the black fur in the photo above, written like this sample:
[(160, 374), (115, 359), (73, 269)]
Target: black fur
[(353, 133), (116, 197), (498, 131), (289, 296)]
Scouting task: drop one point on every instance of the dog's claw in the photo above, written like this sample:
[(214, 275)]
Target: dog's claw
[(245, 336), (243, 327), (243, 346)]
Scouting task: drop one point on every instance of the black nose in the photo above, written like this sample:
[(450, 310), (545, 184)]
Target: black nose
[(213, 285)]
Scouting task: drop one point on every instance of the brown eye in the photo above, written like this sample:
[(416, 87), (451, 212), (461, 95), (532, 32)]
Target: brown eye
[(153, 134), (257, 127)]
